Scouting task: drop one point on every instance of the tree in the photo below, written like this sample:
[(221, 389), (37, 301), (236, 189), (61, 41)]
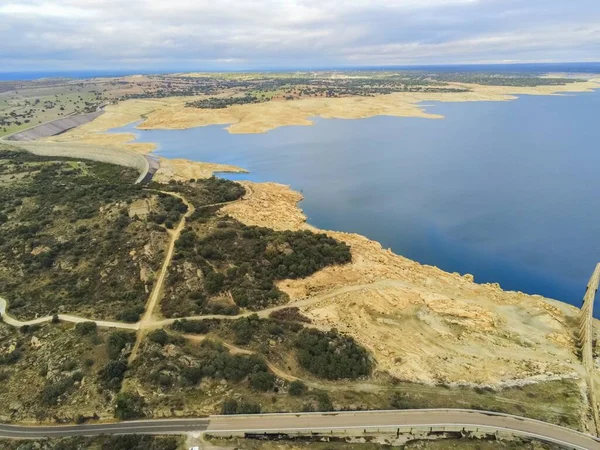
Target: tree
[(331, 355), (297, 388), (159, 336), (113, 373), (230, 406), (85, 328), (129, 405), (117, 342), (262, 381)]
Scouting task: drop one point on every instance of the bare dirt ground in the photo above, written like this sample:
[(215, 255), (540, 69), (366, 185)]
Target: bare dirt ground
[(423, 324), (183, 169)]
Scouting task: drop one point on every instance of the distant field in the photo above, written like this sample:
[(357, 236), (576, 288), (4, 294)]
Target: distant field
[(24, 104), (23, 108)]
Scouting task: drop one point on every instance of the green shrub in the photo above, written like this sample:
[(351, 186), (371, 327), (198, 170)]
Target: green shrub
[(11, 358), (52, 391), (193, 326), (112, 374), (297, 388), (129, 406), (192, 375), (232, 406), (324, 401), (262, 381), (247, 261), (85, 328), (131, 315), (117, 341), (330, 355), (159, 336)]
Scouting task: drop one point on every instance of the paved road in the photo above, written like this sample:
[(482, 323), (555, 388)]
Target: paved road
[(166, 426), (353, 422), (411, 418)]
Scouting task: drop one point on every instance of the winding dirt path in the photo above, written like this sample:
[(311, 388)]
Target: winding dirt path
[(157, 289), (151, 323)]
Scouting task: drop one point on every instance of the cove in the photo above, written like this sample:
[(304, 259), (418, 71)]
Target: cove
[(505, 191)]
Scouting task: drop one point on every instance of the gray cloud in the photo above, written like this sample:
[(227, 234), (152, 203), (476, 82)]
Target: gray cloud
[(202, 34)]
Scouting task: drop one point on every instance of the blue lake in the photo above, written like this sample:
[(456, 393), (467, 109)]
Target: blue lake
[(505, 191)]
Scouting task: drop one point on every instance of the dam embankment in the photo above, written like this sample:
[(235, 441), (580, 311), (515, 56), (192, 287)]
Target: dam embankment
[(54, 127)]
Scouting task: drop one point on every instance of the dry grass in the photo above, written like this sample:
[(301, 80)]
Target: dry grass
[(171, 113)]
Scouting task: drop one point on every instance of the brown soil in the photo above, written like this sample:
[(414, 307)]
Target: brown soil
[(421, 323)]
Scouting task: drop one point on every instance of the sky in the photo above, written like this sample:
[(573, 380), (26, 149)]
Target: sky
[(260, 34)]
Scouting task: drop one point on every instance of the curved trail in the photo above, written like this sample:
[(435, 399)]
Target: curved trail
[(152, 324)]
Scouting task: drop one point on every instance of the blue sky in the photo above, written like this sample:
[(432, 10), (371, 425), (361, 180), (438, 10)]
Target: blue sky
[(254, 34)]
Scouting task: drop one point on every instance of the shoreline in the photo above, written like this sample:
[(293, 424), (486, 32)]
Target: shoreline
[(182, 169), (465, 326), (172, 114)]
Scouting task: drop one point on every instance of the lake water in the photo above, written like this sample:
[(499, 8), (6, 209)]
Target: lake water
[(505, 191)]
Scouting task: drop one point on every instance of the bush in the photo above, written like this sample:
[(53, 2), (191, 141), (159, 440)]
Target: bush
[(213, 360), (131, 315), (112, 374), (324, 402), (52, 391), (84, 249), (193, 326), (129, 406), (247, 261), (262, 381), (117, 341), (12, 357), (159, 336), (291, 314), (86, 328), (192, 375), (330, 355), (232, 406), (402, 401), (297, 388)]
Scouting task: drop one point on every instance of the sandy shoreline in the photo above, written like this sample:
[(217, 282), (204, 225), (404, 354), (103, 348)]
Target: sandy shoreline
[(171, 113)]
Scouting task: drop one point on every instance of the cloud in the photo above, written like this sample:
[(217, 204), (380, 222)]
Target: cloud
[(34, 11), (233, 34)]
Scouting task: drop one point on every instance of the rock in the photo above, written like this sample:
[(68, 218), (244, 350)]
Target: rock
[(15, 406), (39, 250), (35, 342)]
